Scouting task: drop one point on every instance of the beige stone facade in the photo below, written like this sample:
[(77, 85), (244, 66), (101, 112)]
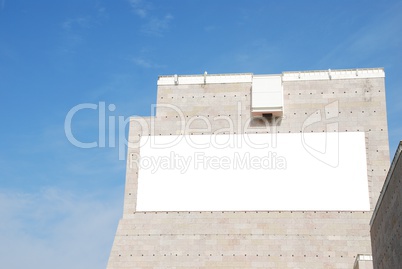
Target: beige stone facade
[(386, 232), (256, 239)]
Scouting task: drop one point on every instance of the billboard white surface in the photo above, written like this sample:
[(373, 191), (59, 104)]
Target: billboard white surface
[(313, 171)]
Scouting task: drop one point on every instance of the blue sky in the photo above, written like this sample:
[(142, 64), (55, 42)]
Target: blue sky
[(59, 204)]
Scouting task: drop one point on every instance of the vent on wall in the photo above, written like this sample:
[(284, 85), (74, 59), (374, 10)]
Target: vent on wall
[(267, 95)]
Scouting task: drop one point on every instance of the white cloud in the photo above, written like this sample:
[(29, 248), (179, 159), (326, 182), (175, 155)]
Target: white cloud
[(379, 36), (157, 26), (80, 22), (140, 7), (142, 63), (146, 63), (102, 12), (57, 229), (153, 25), (74, 30)]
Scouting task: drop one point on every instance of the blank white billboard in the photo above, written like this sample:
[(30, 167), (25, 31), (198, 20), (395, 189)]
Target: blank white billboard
[(314, 171)]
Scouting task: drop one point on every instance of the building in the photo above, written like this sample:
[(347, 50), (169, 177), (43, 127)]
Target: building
[(255, 171), (385, 224)]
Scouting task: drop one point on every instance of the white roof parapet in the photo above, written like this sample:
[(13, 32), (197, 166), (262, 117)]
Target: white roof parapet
[(333, 74), (210, 79), (286, 76)]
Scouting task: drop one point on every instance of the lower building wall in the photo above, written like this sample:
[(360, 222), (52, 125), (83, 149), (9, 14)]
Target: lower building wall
[(262, 239), (386, 232)]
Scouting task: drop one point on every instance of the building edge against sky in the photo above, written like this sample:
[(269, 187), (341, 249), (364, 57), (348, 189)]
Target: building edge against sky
[(329, 127)]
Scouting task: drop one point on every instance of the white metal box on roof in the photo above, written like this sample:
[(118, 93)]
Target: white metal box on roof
[(267, 95)]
